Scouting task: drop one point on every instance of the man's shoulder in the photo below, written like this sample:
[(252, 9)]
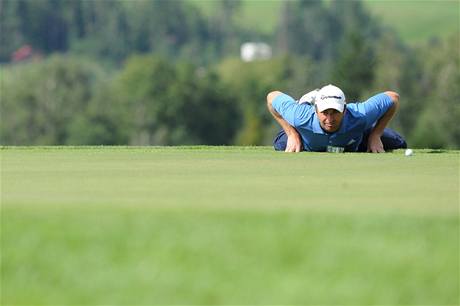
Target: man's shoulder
[(296, 114), (305, 115), (355, 110), (354, 118), (371, 109), (376, 102)]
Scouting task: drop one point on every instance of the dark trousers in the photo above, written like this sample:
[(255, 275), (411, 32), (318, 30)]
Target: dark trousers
[(391, 140)]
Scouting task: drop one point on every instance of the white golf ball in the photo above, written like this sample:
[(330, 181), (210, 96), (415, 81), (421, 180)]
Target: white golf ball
[(408, 152)]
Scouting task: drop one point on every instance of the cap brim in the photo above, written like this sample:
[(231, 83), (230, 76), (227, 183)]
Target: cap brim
[(327, 105)]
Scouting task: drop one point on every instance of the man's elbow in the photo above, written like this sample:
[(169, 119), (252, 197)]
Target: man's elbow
[(393, 95), (271, 96)]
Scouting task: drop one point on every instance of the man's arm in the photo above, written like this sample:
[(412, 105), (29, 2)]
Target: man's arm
[(374, 143), (294, 143)]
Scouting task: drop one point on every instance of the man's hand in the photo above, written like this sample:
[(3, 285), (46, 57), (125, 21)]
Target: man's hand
[(374, 144), (294, 144)]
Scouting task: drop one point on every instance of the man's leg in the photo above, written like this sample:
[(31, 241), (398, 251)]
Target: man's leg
[(280, 141), (391, 140)]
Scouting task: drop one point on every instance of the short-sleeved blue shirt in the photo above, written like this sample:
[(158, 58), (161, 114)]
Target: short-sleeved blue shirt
[(358, 118)]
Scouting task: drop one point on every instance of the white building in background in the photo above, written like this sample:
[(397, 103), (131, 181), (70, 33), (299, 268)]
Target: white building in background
[(252, 51)]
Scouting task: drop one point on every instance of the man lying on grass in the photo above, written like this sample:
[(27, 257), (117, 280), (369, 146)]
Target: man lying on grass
[(322, 121)]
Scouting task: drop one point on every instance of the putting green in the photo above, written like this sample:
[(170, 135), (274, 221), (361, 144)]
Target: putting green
[(227, 178), (228, 225)]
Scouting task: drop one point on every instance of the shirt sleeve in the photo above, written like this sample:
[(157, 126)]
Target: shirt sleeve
[(290, 110), (374, 108)]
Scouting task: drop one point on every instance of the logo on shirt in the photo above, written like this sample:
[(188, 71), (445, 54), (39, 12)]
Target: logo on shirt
[(332, 149)]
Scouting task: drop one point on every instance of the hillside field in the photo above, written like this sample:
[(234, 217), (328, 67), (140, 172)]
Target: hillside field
[(415, 21), (228, 225)]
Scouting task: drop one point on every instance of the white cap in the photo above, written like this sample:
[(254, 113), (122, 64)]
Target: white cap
[(330, 96)]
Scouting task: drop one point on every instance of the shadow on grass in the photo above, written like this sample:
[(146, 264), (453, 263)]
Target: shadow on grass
[(437, 151)]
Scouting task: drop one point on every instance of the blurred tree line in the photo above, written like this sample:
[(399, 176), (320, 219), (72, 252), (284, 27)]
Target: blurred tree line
[(158, 72)]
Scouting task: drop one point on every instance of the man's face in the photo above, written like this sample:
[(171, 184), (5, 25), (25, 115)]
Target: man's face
[(330, 119)]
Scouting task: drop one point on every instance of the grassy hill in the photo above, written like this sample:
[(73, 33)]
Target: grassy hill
[(415, 21), (230, 225)]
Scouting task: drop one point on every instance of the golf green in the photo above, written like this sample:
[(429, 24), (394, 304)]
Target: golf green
[(228, 225)]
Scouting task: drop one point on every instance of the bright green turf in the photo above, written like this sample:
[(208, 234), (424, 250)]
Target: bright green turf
[(229, 225), (414, 20)]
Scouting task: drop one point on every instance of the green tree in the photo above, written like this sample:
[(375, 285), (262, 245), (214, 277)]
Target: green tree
[(102, 122), (11, 37), (43, 24), (427, 79), (354, 68), (40, 100), (170, 28), (101, 29), (170, 104), (399, 68), (303, 29), (224, 29), (317, 28), (437, 125), (254, 80), (37, 23)]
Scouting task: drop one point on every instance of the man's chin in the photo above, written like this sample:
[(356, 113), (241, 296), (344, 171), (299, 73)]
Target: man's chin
[(330, 129)]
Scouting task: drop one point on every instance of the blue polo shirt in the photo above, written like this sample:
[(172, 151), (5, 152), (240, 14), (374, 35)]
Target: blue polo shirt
[(358, 118)]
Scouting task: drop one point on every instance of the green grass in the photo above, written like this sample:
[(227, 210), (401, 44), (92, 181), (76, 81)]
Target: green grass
[(415, 21), (228, 225)]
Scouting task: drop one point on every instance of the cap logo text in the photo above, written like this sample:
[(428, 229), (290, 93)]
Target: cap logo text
[(328, 97)]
